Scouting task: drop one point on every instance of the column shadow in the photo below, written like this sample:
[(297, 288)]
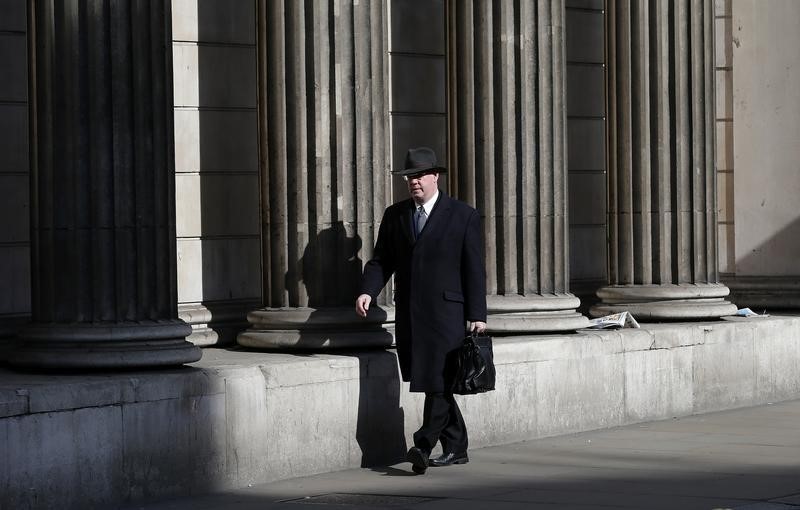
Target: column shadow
[(330, 270)]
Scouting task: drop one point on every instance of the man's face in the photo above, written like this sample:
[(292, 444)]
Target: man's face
[(422, 186)]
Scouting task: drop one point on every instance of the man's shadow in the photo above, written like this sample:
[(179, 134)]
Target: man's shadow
[(330, 269)]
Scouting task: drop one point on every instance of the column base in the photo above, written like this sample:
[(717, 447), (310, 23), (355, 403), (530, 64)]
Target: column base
[(309, 329), (105, 345), (215, 323), (540, 313), (686, 301), (9, 329)]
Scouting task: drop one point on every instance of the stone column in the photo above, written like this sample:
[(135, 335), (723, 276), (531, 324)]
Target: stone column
[(508, 148), (323, 117), (662, 204), (102, 188)]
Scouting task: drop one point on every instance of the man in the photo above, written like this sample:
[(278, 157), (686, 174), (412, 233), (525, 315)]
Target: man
[(433, 246)]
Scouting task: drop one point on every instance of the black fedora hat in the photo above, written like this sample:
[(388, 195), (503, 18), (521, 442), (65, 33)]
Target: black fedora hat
[(418, 160)]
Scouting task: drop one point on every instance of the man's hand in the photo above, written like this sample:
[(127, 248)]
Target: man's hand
[(477, 326), (362, 304)]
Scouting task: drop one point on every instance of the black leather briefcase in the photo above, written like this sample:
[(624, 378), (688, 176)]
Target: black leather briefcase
[(474, 365)]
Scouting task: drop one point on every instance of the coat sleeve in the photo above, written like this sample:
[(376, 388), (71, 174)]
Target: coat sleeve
[(381, 266), (473, 271)]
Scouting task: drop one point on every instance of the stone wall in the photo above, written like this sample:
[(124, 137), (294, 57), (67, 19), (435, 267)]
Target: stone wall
[(15, 295), (764, 183), (216, 165), (586, 146), (239, 418)]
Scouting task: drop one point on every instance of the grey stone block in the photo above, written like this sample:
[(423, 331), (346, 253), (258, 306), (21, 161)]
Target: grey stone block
[(658, 384), (13, 402), (214, 76), (213, 205), (776, 348), (217, 21), (177, 383), (724, 374), (585, 36), (216, 140), (13, 137), (579, 394), (587, 198), (418, 26), (14, 61), (173, 446), (586, 144), (14, 209), (77, 393), (585, 4), (13, 16), (513, 407), (15, 273), (588, 252), (69, 459), (219, 269), (418, 84), (586, 90), (666, 336), (247, 416), (305, 439), (636, 340), (415, 131)]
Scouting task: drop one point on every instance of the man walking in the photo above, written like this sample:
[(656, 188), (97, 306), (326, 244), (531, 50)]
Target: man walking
[(433, 245)]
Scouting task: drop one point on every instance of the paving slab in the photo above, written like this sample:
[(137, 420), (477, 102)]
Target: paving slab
[(744, 459)]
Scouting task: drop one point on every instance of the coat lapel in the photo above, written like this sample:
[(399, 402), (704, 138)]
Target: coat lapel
[(406, 220), (438, 216)]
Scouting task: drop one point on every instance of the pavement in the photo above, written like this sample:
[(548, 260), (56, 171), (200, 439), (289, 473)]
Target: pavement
[(745, 459)]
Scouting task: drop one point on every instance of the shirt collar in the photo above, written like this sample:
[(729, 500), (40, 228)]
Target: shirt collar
[(430, 203)]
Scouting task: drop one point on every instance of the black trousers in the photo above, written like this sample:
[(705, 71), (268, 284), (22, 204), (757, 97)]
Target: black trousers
[(441, 421)]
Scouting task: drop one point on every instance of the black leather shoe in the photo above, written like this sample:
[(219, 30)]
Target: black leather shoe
[(418, 459), (447, 459)]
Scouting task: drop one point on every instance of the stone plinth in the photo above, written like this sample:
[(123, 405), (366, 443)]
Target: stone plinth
[(324, 328), (534, 314), (243, 417), (672, 302)]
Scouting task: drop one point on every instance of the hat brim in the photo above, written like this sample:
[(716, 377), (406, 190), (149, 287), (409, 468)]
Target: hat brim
[(412, 171)]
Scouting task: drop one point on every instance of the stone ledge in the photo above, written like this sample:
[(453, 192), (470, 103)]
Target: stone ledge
[(239, 417)]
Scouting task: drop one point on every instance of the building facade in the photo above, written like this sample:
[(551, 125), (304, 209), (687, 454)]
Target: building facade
[(225, 164)]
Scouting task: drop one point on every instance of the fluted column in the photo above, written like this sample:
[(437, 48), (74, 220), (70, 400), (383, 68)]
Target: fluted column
[(323, 117), (662, 205), (508, 145), (102, 188)]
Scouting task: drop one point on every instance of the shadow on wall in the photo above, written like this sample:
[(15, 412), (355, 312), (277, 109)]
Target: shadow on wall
[(329, 267), (777, 256), (330, 270), (768, 276)]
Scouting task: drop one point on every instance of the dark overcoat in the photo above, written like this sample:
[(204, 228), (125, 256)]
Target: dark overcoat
[(440, 283)]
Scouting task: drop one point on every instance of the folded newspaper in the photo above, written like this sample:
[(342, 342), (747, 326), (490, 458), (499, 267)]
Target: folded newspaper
[(746, 312), (617, 320)]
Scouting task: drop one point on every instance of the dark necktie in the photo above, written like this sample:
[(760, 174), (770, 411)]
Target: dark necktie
[(420, 217)]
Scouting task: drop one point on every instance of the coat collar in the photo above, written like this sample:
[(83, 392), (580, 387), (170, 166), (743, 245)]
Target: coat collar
[(439, 210)]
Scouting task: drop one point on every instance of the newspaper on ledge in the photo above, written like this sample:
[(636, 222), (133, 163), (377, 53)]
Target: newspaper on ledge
[(617, 320)]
